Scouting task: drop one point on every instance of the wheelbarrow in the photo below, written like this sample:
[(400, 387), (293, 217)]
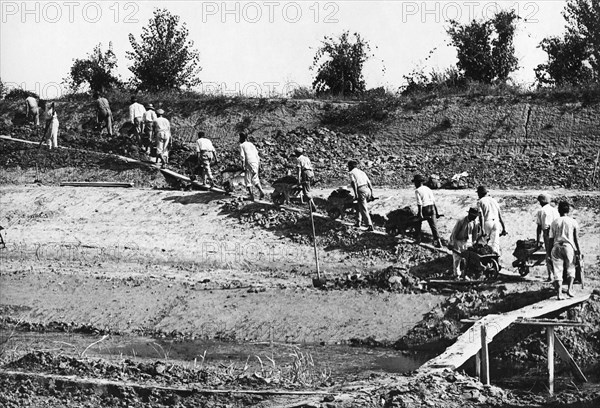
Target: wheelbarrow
[(476, 265), (529, 254)]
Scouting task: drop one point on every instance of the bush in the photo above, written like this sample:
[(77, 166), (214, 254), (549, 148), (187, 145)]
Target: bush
[(302, 92), (18, 93)]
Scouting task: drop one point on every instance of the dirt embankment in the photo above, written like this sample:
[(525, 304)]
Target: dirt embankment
[(500, 141)]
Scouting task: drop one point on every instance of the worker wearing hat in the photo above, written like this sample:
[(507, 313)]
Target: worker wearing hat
[(162, 132), (463, 236), (543, 219), (148, 123), (490, 219), (426, 209), (306, 174)]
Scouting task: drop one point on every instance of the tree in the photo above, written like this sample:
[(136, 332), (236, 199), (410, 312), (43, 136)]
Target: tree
[(2, 89), (95, 71), (583, 19), (164, 58), (566, 61), (341, 72), (485, 49)]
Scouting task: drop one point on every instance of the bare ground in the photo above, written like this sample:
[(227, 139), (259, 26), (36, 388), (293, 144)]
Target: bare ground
[(164, 262)]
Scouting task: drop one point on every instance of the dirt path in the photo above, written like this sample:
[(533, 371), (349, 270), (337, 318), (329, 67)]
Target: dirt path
[(144, 260)]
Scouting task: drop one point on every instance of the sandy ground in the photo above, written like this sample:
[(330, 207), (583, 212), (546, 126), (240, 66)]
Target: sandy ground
[(145, 260)]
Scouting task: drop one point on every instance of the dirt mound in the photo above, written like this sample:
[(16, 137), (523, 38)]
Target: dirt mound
[(440, 327), (435, 390), (401, 144), (331, 234)]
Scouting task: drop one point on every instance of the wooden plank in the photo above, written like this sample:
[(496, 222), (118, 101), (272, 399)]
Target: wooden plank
[(468, 343), (549, 322), (485, 357), (566, 356), (428, 246), (95, 184), (550, 339)]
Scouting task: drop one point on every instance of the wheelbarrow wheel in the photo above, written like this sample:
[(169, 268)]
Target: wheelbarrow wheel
[(523, 270), (334, 213), (278, 198), (492, 269)]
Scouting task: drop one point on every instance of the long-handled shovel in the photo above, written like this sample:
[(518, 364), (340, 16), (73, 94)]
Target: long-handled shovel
[(319, 280)]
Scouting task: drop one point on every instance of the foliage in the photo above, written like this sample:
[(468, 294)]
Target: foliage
[(573, 59), (566, 61), (302, 92), (2, 89), (583, 19), (95, 71), (485, 48), (164, 58), (436, 81), (341, 72), (18, 93)]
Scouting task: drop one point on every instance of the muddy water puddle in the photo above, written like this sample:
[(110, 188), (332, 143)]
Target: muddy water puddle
[(341, 360)]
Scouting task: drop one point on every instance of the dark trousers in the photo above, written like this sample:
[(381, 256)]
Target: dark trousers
[(429, 215)]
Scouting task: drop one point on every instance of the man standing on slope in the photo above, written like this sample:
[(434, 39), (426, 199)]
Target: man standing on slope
[(363, 192), (544, 218), (490, 219), (51, 131), (32, 109), (251, 162), (136, 115), (162, 132), (103, 113), (306, 173), (565, 247), (206, 155), (426, 209)]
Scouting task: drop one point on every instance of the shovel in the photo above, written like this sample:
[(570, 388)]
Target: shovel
[(319, 280)]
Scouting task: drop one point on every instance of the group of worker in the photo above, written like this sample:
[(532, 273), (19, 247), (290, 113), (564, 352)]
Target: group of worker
[(556, 232), (149, 127), (482, 224)]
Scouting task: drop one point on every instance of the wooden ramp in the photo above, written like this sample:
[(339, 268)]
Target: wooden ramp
[(166, 172), (469, 343)]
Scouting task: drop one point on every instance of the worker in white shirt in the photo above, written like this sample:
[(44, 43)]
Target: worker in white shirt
[(32, 110), (544, 218), (363, 192), (426, 209), (306, 173), (565, 248), (162, 132), (148, 127), (251, 162), (136, 115), (206, 155), (51, 131), (490, 219)]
